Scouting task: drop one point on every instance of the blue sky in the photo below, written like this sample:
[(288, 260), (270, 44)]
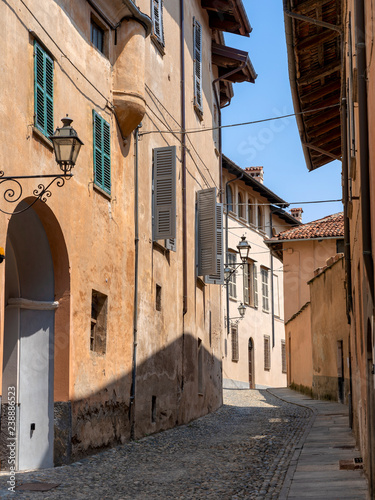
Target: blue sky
[(274, 145)]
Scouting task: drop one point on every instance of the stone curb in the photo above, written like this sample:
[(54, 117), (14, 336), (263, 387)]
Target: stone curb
[(297, 449)]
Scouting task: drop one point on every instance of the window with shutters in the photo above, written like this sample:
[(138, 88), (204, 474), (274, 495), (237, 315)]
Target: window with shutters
[(265, 289), (206, 232), (98, 334), (276, 294), (250, 284), (198, 94), (232, 284), (234, 338), (283, 356), (157, 23), (164, 196), (267, 353), (218, 277), (43, 90), (102, 153)]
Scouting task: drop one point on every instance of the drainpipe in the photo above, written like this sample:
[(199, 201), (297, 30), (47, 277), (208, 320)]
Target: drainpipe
[(272, 290), (226, 240), (363, 143), (183, 156), (135, 306)]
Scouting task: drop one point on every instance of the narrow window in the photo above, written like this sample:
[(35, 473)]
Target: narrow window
[(240, 210), (200, 367), (234, 335), (97, 36), (232, 280), (229, 199), (98, 334), (43, 90), (102, 153), (267, 353), (198, 101), (153, 409), (276, 294), (260, 219), (157, 21), (250, 212), (164, 193), (265, 294), (158, 298), (283, 356)]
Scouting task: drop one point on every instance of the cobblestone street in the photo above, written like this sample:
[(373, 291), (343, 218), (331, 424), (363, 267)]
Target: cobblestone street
[(241, 451)]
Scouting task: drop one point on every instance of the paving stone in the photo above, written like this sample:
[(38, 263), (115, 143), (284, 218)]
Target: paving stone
[(234, 453)]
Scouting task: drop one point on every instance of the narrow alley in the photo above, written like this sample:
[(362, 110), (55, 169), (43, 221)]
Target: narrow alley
[(250, 448)]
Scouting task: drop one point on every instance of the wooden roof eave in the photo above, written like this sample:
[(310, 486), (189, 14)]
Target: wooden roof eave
[(299, 102), (293, 85)]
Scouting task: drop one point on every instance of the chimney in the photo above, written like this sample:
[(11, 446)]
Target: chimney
[(297, 213), (256, 172)]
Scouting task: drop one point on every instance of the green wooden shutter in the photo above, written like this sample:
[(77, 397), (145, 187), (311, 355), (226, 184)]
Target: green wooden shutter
[(207, 239), (198, 102), (102, 153), (164, 209), (218, 277), (43, 90)]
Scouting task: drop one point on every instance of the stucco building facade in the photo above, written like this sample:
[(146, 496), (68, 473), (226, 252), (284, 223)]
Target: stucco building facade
[(109, 329), (340, 84), (316, 329), (254, 354)]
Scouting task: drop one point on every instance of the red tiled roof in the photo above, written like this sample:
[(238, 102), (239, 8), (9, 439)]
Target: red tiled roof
[(329, 227)]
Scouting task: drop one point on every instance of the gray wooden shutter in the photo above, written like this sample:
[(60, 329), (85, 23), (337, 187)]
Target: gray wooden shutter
[(157, 18), (164, 193), (255, 286), (218, 277), (170, 244), (246, 291), (198, 65), (207, 238)]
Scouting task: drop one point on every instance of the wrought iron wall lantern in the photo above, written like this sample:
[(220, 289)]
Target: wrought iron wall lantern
[(241, 309), (66, 146), (229, 269), (243, 249)]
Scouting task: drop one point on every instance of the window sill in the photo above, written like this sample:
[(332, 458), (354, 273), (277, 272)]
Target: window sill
[(200, 283), (233, 299), (102, 192), (158, 44), (38, 134), (234, 360)]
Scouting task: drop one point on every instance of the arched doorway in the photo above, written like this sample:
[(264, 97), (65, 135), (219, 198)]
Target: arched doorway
[(31, 347), (251, 364)]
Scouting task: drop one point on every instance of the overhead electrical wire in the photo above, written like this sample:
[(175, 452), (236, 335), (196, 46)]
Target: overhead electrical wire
[(254, 122)]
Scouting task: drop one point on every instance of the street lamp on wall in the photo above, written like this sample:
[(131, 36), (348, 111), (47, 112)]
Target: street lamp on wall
[(66, 146)]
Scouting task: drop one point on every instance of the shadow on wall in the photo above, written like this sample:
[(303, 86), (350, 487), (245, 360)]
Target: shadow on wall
[(172, 388)]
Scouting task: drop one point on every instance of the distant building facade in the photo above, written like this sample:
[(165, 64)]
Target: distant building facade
[(254, 351)]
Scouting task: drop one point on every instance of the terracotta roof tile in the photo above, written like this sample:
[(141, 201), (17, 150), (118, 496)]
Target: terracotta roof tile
[(328, 227)]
